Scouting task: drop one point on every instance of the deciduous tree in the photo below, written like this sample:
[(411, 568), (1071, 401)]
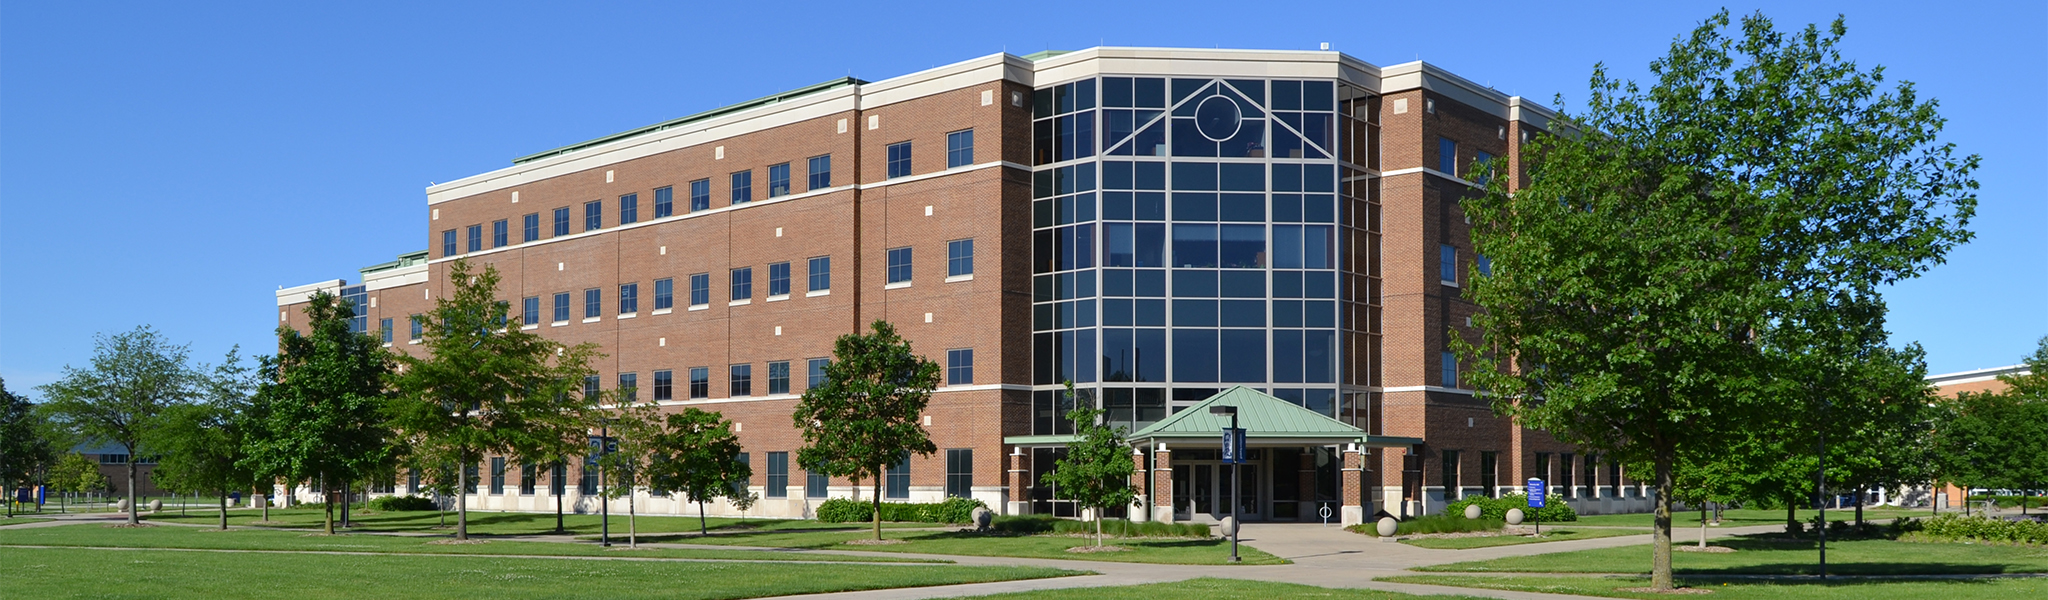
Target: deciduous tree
[(1096, 472), (134, 378), (865, 416), (318, 414), (27, 448), (203, 444), (694, 453)]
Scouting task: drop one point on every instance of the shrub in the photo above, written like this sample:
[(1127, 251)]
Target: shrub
[(1952, 526), (1024, 524), (1123, 528), (953, 510), (1434, 524), (1555, 509), (391, 503)]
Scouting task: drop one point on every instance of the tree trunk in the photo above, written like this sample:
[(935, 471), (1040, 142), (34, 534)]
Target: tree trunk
[(1098, 527), (878, 505), (558, 502), (462, 511), (1860, 490), (701, 529), (632, 531), (134, 511), (1791, 513), (223, 509), (328, 507), (1660, 550), (1703, 524)]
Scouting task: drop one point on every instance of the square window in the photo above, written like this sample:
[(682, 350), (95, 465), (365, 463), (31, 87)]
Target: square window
[(821, 172), (778, 279), (664, 385), (562, 221), (629, 298), (501, 233), (593, 303), (529, 310), (476, 238), (741, 382), (815, 372), (1447, 264), (778, 377), (448, 243), (743, 187), (959, 149), (700, 195), (629, 209), (742, 283), (899, 160), (700, 289), (593, 216), (959, 258), (960, 366), (530, 227), (821, 273), (1447, 156), (899, 265), (562, 307), (664, 202), (778, 180), (664, 294), (700, 382)]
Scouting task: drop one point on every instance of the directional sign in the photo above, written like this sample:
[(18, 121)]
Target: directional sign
[(1535, 493)]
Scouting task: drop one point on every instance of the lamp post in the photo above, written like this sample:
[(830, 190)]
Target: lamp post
[(1236, 453), (604, 505)]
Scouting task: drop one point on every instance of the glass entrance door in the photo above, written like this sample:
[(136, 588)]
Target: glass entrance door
[(1202, 490)]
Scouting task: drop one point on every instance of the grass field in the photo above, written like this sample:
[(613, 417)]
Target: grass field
[(1213, 551), (502, 523), (167, 536), (1562, 533), (1212, 589), (5, 521), (1741, 517), (156, 574), (1986, 589), (1759, 556)]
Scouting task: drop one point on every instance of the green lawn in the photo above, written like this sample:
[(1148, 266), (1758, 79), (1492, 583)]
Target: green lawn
[(86, 573), (1987, 589), (1562, 533), (1213, 551), (168, 536), (1212, 589), (5, 521), (1742, 517), (1764, 557), (502, 523)]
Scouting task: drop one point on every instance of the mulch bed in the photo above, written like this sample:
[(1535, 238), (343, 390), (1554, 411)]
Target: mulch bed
[(866, 542), (1095, 549), (455, 542), (1708, 549), (1647, 590)]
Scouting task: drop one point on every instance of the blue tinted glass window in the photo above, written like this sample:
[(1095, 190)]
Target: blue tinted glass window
[(476, 238), (1485, 265), (899, 159), (1447, 156), (629, 209), (1481, 158), (1450, 369), (821, 172), (562, 221), (778, 475), (629, 298), (778, 377), (743, 187), (418, 327), (778, 180), (664, 385), (664, 202), (384, 330), (1242, 247), (1194, 313), (448, 243), (1194, 246), (664, 294), (700, 195), (700, 382), (530, 227), (1447, 264), (821, 273), (899, 265), (561, 307), (593, 215), (700, 289), (1194, 355), (593, 303), (742, 283), (959, 258), (778, 279), (501, 233), (1247, 343), (814, 372), (959, 148), (740, 380), (960, 366), (529, 310)]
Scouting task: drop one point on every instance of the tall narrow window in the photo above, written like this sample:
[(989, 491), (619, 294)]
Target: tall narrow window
[(778, 279), (593, 215), (700, 289), (960, 258), (629, 298), (821, 172), (592, 386), (816, 485), (742, 283), (384, 329), (469, 478), (664, 293), (664, 202), (899, 160), (562, 221), (418, 327), (529, 476), (501, 233), (778, 475), (588, 486), (700, 195), (960, 366), (741, 381), (1450, 367), (1565, 475), (412, 481), (529, 310), (778, 377), (664, 385), (1486, 172), (700, 382), (743, 187), (899, 265), (1593, 475), (1447, 156), (1451, 484), (960, 472), (1489, 473), (562, 307), (529, 226), (497, 475), (558, 479), (629, 386), (593, 303), (959, 149), (821, 273), (814, 372), (778, 180), (448, 243), (476, 238), (629, 209), (896, 484), (1447, 264)]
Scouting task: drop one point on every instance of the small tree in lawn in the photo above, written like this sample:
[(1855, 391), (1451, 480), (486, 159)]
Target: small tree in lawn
[(318, 415), (1096, 473), (28, 446), (76, 474), (633, 428), (485, 388), (865, 416), (135, 377), (203, 444), (694, 453)]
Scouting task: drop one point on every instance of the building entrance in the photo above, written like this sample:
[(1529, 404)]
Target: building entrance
[(1201, 486)]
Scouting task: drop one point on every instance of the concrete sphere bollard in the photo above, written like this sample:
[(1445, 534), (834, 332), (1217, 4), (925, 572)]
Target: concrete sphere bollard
[(983, 518), (1387, 526), (1472, 511), (121, 506), (1229, 527), (1514, 516), (156, 505)]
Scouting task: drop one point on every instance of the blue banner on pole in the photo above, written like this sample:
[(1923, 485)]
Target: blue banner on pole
[(1536, 493), (1233, 446)]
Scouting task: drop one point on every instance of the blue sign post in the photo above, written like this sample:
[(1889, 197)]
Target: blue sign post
[(1536, 499)]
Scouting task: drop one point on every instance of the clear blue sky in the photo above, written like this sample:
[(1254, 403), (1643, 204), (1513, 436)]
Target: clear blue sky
[(174, 163)]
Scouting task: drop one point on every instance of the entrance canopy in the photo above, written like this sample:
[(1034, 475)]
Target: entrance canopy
[(1268, 421)]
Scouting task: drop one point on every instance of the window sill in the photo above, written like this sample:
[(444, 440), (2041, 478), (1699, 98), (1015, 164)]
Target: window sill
[(960, 278), (529, 327), (817, 293), (1448, 283), (897, 286), (627, 315), (387, 344), (740, 302), (697, 307), (663, 311), (778, 297), (558, 323), (411, 342), (592, 319)]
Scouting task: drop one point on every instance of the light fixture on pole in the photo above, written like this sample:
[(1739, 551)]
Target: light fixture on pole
[(1233, 453)]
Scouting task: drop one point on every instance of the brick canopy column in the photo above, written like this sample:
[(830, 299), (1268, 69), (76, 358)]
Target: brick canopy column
[(1139, 478), (1020, 479), (1352, 492), (1162, 484)]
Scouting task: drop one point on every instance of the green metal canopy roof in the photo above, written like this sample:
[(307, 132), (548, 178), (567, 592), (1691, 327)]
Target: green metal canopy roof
[(1261, 416)]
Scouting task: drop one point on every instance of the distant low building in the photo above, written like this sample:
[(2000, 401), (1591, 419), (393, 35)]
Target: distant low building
[(1978, 381), (113, 460)]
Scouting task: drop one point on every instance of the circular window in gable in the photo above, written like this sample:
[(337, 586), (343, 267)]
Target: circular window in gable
[(1218, 118)]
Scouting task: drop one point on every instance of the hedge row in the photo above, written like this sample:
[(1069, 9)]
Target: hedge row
[(1030, 524), (1554, 510), (393, 503), (1951, 526), (953, 510)]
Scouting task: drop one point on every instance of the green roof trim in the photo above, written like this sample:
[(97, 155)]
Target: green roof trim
[(1261, 415), (1041, 440), (1045, 54), (404, 260), (709, 114)]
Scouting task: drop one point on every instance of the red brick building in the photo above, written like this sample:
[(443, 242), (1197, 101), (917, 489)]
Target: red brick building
[(1156, 225)]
